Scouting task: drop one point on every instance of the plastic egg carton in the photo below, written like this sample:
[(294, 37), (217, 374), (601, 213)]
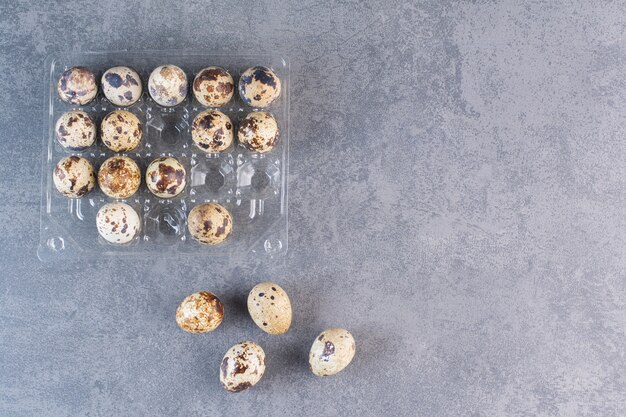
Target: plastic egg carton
[(253, 187)]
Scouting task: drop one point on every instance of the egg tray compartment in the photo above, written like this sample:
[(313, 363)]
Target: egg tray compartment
[(253, 187)]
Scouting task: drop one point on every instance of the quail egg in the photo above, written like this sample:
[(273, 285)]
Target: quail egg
[(270, 308), (77, 85), (242, 367), (259, 86), (165, 177), (121, 86), (212, 131), (213, 87), (258, 132), (74, 176), (121, 131), (331, 352), (168, 85), (75, 130), (200, 312), (117, 222), (209, 223), (119, 177)]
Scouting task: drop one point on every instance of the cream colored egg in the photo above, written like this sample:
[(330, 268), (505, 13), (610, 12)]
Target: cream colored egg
[(74, 176), (209, 223), (118, 222), (119, 177), (331, 352), (213, 87), (121, 86), (242, 367), (270, 308), (121, 131), (259, 86), (75, 130), (166, 177), (212, 131), (168, 85), (200, 312), (77, 85), (258, 132)]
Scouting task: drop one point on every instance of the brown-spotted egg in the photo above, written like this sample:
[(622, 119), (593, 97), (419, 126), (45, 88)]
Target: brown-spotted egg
[(75, 130), (121, 86), (270, 308), (209, 223), (119, 177), (258, 132), (117, 222), (74, 176), (77, 85), (168, 85), (213, 87), (121, 131), (165, 177), (259, 86), (200, 312), (212, 131), (242, 367), (331, 352)]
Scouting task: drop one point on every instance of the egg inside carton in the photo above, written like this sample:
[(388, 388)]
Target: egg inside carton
[(251, 186)]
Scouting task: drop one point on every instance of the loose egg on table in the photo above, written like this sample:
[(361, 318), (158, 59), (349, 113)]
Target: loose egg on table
[(242, 367), (75, 130), (77, 85), (212, 131), (121, 131), (117, 222), (209, 223), (119, 177), (213, 87), (200, 312), (167, 85), (258, 132), (166, 177), (121, 86), (74, 176), (331, 352), (259, 86), (270, 308)]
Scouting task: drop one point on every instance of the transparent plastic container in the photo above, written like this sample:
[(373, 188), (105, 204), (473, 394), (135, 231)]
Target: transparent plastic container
[(252, 186)]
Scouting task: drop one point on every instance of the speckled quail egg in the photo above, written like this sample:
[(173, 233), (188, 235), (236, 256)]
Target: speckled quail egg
[(74, 176), (212, 131), (77, 85), (117, 222), (121, 131), (258, 132), (119, 177), (168, 85), (200, 312), (259, 86), (331, 352), (75, 130), (242, 367), (121, 86), (270, 308), (166, 177), (209, 223), (213, 87)]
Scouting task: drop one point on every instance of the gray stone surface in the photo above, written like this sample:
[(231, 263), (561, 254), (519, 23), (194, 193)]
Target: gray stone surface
[(456, 201)]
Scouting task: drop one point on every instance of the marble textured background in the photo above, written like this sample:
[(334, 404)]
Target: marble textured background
[(456, 201)]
